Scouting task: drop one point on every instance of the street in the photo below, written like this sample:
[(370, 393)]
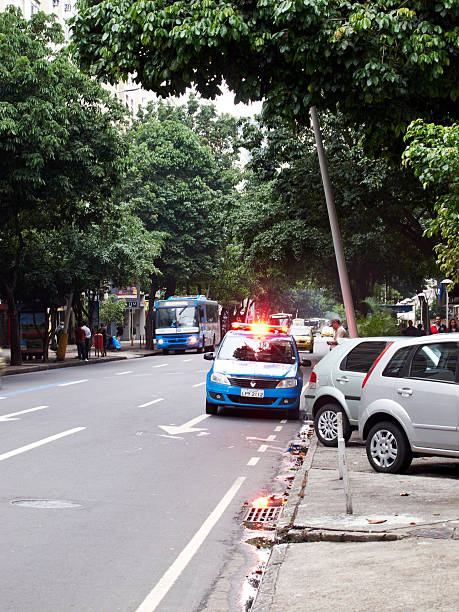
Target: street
[(118, 492)]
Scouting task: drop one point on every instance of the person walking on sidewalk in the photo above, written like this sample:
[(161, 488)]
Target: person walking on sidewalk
[(80, 339), (340, 332), (87, 340)]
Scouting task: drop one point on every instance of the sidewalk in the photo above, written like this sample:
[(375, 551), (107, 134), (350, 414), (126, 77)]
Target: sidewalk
[(71, 358), (405, 559)]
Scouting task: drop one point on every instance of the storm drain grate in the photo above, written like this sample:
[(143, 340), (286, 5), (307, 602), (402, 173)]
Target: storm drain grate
[(262, 515)]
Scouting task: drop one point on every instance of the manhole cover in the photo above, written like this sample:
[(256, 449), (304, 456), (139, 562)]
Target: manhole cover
[(262, 515), (58, 504)]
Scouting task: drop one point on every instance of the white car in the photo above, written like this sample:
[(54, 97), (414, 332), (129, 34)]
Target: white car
[(335, 385), (410, 402)]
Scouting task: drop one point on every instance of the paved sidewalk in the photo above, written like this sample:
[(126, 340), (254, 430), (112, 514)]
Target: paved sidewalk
[(406, 558), (127, 351)]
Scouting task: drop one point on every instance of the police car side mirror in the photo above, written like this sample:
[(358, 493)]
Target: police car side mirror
[(208, 356), (306, 363)]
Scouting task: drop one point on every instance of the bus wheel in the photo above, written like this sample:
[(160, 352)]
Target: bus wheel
[(212, 346), (200, 349), (165, 351)]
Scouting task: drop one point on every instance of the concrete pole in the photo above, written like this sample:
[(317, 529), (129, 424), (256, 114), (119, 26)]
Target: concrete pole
[(336, 234)]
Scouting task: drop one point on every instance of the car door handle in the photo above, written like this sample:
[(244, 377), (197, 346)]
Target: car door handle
[(342, 379), (405, 391)]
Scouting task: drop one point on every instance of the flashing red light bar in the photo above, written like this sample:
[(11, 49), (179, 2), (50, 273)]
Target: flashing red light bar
[(260, 328)]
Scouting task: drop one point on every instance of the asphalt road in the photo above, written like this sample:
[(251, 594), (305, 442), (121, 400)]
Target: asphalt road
[(102, 509)]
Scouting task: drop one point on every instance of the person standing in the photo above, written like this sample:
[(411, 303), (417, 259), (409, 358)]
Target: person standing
[(420, 330), (103, 331), (410, 330), (453, 327), (340, 332), (437, 326), (80, 339), (87, 340)]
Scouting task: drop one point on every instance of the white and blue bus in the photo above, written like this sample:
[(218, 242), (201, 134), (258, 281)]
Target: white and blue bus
[(190, 322)]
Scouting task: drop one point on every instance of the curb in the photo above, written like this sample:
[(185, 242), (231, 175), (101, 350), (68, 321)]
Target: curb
[(265, 594)]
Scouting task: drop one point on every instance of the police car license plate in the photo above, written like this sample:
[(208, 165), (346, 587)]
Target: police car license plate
[(252, 393)]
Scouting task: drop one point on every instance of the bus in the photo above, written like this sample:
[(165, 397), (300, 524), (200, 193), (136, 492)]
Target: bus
[(283, 319), (190, 322)]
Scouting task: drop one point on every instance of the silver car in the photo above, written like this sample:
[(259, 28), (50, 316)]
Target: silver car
[(335, 385), (410, 403)]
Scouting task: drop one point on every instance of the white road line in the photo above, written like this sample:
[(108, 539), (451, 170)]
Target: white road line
[(155, 401), (74, 382), (185, 360), (278, 428), (121, 373), (27, 447), (263, 448), (8, 417), (271, 438), (161, 365), (200, 384), (156, 595), (3, 397), (284, 421), (253, 461)]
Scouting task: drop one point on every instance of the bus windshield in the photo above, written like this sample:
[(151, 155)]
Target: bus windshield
[(177, 318)]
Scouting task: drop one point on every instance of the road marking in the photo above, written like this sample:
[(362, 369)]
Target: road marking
[(253, 461), (157, 594), (271, 438), (187, 427), (185, 360), (121, 373), (200, 384), (263, 448), (27, 447), (155, 401), (161, 365), (10, 417), (3, 397), (74, 382), (278, 428), (284, 421)]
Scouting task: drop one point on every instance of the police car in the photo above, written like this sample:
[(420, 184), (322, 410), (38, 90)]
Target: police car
[(256, 366)]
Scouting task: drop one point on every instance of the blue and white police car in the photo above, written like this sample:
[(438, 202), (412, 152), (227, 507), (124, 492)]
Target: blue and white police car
[(256, 366)]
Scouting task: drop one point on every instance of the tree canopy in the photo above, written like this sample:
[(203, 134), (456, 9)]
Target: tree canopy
[(382, 63)]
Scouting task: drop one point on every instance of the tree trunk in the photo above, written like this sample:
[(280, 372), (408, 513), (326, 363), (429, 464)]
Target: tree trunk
[(171, 285), (15, 342), (150, 320), (64, 337)]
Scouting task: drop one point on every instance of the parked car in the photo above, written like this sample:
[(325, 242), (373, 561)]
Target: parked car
[(335, 385), (327, 331), (303, 337), (410, 403)]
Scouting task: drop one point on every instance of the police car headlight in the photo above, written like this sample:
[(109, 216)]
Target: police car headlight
[(221, 379), (287, 383)]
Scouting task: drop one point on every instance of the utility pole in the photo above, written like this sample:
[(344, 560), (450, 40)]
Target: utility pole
[(336, 234)]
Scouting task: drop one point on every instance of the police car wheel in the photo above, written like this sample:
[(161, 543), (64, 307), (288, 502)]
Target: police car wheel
[(211, 408), (293, 414)]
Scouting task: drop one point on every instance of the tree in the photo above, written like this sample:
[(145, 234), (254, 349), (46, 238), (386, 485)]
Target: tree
[(61, 148), (433, 153), (112, 310), (382, 63)]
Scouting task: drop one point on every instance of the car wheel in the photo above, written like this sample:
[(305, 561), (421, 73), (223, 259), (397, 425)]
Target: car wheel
[(326, 425), (211, 408), (293, 414), (311, 350), (388, 449)]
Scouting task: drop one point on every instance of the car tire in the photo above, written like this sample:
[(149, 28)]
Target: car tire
[(326, 424), (211, 408), (388, 449), (293, 414)]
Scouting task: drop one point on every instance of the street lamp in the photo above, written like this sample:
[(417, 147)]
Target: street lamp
[(446, 282)]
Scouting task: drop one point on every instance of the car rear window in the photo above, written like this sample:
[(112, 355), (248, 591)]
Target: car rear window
[(361, 358)]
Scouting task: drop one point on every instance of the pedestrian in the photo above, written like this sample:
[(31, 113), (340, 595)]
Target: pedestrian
[(437, 326), (420, 330), (452, 327), (103, 331), (88, 335), (410, 330), (80, 339), (340, 332)]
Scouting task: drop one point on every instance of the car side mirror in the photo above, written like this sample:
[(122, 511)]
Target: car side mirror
[(307, 363), (209, 356)]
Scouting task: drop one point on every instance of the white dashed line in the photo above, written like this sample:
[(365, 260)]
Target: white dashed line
[(271, 438), (121, 373), (3, 397), (155, 401), (263, 448), (185, 360), (278, 428), (27, 447), (200, 384), (161, 365), (253, 461), (74, 382), (284, 421), (12, 416)]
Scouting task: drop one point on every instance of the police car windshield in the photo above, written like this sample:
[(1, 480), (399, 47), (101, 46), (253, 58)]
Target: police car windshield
[(267, 350)]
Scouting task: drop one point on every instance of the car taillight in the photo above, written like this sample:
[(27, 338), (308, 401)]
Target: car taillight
[(312, 384), (374, 365)]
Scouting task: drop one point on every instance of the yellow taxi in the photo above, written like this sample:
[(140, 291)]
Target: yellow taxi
[(303, 337), (327, 331)]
